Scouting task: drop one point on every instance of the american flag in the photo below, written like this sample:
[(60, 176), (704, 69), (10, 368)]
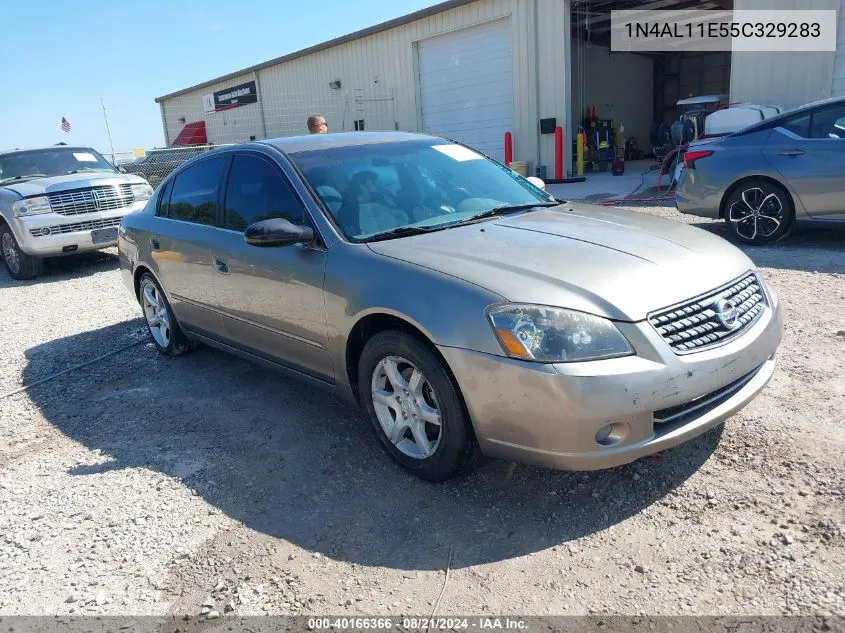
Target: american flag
[(65, 125)]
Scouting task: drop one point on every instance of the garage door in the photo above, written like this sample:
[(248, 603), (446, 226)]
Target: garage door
[(466, 86), (839, 62)]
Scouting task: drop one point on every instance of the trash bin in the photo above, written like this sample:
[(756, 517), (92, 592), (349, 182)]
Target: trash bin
[(520, 167)]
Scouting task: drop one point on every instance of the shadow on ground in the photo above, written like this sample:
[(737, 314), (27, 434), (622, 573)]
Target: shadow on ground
[(807, 249), (300, 465), (58, 269)]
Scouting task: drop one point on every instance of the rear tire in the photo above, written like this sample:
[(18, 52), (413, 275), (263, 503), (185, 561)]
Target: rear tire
[(759, 212), (164, 330), (20, 265), (415, 407)]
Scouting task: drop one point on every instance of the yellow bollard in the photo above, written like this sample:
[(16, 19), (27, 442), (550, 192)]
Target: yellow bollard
[(579, 154)]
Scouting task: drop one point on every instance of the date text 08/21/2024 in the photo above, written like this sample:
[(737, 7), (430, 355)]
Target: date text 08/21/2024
[(723, 30), (412, 623)]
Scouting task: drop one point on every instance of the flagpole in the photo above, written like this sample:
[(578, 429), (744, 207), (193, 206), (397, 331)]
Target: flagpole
[(108, 129)]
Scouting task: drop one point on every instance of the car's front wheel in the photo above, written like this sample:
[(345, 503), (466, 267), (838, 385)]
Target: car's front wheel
[(167, 336), (21, 266), (759, 212), (415, 407)]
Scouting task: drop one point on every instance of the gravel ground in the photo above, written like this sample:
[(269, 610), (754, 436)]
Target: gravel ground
[(143, 485)]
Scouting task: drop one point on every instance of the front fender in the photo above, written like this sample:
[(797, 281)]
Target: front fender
[(450, 312)]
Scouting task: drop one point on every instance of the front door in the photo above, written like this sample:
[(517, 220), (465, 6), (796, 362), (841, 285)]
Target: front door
[(809, 151), (271, 298), (179, 244)]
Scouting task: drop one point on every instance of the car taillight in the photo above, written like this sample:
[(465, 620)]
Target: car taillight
[(691, 157)]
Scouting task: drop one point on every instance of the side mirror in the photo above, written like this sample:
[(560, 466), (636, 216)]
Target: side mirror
[(536, 182), (277, 232), (121, 169)]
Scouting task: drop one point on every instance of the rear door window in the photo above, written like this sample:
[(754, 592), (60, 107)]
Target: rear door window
[(800, 126), (828, 123), (196, 191)]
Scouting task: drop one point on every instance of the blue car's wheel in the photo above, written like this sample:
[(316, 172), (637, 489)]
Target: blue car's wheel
[(759, 212)]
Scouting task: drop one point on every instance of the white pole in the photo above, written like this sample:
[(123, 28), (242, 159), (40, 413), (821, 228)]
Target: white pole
[(108, 130)]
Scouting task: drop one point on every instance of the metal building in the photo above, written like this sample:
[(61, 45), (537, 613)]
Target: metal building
[(475, 69), (470, 69)]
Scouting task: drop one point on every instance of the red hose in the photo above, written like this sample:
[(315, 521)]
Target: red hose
[(674, 151), (658, 198)]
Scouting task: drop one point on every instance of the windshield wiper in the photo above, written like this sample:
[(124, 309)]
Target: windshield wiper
[(403, 231), (504, 209), (22, 178)]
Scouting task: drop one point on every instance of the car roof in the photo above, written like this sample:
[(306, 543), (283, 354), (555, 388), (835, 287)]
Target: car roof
[(788, 114), (23, 150), (309, 142)]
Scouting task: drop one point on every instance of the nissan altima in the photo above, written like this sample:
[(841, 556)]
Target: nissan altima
[(466, 310)]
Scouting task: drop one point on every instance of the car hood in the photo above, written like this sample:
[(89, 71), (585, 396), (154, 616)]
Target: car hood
[(609, 262), (55, 184)]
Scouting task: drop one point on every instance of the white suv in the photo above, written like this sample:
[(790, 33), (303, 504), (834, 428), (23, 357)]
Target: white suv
[(61, 200)]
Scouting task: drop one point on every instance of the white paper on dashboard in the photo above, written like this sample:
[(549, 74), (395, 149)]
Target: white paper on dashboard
[(457, 152)]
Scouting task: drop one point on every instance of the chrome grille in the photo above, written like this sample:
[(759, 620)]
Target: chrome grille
[(78, 201), (90, 225), (696, 325)]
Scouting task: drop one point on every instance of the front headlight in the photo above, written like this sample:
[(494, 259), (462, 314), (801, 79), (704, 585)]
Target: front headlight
[(31, 206), (556, 335), (142, 191)]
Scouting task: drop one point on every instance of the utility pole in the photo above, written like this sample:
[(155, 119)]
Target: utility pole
[(108, 130)]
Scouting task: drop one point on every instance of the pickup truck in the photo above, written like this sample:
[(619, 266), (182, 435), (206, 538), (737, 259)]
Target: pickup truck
[(61, 200)]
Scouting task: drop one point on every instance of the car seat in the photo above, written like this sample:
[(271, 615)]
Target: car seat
[(330, 197), (374, 217)]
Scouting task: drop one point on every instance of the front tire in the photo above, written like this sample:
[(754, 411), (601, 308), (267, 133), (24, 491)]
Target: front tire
[(759, 212), (415, 407), (167, 336), (20, 265)]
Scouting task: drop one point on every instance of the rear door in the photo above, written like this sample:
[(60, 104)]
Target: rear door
[(271, 298), (185, 222), (809, 151)]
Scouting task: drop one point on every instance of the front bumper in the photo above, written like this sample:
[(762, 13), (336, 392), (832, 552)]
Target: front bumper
[(66, 231), (548, 415)]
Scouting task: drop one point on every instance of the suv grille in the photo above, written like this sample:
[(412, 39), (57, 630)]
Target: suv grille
[(699, 323), (106, 198), (88, 225)]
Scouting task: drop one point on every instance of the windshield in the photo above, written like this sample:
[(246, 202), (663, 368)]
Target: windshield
[(376, 188), (45, 163)]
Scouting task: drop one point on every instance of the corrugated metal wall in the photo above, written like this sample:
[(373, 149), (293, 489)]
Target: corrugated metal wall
[(838, 89), (379, 83), (780, 78)]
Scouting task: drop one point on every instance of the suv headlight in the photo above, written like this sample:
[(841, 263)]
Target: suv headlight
[(142, 191), (556, 335), (31, 206)]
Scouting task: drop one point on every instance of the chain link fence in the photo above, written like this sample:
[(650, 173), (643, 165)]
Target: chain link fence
[(192, 125), (195, 123), (154, 165)]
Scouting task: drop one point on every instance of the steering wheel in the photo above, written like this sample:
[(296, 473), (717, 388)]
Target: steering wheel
[(457, 195), (437, 202)]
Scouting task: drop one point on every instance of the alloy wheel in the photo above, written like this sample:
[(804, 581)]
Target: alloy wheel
[(756, 214), (406, 407), (10, 253), (156, 314)]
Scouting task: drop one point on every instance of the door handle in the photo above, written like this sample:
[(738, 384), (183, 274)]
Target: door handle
[(221, 266), (791, 153), (154, 244)]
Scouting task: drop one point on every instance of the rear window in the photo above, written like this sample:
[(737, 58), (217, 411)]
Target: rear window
[(196, 191)]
